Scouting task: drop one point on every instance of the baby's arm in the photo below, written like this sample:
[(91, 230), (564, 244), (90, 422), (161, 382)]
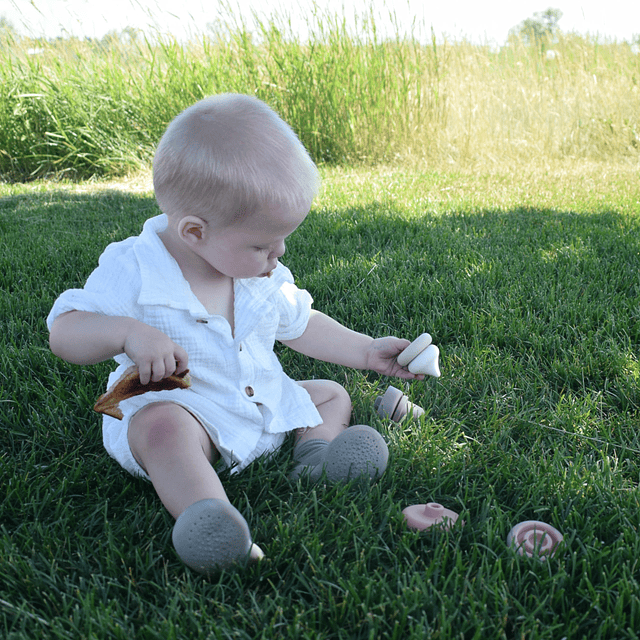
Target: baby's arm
[(328, 340), (82, 337)]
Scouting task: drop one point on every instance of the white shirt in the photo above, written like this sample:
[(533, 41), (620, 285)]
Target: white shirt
[(240, 392)]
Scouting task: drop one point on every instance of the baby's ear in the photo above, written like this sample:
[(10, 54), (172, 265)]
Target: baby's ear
[(191, 229)]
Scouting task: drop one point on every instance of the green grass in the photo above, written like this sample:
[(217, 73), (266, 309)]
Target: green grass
[(529, 285)]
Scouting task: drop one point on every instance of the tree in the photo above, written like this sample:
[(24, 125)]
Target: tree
[(116, 39), (539, 30)]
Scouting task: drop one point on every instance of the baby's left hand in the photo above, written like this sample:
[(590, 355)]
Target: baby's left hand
[(382, 355)]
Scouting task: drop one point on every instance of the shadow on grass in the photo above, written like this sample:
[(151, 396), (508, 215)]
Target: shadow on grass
[(548, 297), (554, 293)]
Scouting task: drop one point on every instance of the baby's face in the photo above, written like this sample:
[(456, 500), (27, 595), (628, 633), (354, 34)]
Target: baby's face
[(252, 247)]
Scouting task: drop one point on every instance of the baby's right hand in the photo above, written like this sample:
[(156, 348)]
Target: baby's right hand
[(155, 354)]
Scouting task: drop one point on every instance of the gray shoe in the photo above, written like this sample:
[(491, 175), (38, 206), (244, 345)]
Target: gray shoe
[(211, 535), (357, 452), (310, 457)]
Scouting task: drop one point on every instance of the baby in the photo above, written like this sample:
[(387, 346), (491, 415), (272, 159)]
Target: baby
[(202, 288)]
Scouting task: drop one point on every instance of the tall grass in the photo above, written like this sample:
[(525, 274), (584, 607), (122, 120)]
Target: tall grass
[(87, 108)]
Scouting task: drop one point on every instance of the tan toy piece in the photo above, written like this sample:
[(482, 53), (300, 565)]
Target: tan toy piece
[(128, 385), (421, 356), (395, 405)]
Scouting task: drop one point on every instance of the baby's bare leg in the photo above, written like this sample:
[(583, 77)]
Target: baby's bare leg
[(334, 406), (175, 450)]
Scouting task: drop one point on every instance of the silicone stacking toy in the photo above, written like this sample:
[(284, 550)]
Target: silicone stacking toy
[(424, 516), (534, 538), (421, 356), (395, 405)]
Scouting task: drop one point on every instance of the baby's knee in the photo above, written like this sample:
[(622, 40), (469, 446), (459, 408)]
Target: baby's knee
[(342, 396), (156, 426), (329, 391)]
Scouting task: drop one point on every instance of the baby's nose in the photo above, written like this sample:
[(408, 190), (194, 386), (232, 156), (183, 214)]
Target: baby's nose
[(278, 250)]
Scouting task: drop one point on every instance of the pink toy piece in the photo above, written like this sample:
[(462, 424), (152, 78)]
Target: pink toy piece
[(395, 405), (424, 516), (534, 538)]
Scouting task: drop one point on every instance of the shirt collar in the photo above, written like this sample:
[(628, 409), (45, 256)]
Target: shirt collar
[(162, 280)]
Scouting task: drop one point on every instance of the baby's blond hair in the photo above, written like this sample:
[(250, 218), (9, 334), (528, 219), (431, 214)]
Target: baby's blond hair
[(226, 157)]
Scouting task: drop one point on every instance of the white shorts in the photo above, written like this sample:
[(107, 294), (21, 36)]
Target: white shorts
[(115, 434)]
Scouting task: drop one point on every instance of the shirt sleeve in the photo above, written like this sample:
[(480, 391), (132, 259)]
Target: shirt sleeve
[(112, 289), (294, 307)]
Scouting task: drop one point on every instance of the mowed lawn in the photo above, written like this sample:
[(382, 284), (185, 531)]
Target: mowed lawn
[(527, 281)]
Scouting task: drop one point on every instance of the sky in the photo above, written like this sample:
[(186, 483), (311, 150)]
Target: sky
[(479, 22)]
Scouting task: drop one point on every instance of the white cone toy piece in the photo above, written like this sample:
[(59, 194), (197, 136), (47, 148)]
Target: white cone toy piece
[(421, 357)]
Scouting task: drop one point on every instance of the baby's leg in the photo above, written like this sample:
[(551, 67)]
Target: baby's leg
[(334, 406), (174, 449), (177, 453), (343, 453)]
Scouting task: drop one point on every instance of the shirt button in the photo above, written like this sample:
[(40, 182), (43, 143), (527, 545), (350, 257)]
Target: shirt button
[(249, 391)]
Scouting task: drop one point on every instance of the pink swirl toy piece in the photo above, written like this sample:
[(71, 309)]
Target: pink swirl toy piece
[(425, 516), (534, 538)]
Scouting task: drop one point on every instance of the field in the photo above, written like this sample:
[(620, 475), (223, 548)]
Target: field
[(85, 108), (508, 229)]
